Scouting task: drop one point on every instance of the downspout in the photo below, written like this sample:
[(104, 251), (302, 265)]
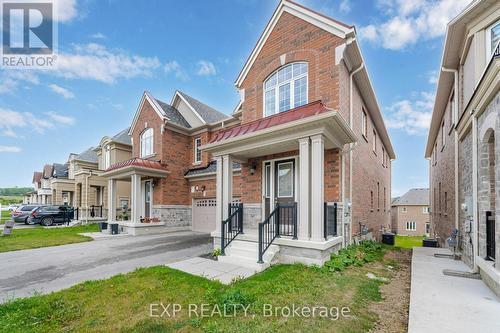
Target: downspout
[(455, 136), (475, 219), (351, 74)]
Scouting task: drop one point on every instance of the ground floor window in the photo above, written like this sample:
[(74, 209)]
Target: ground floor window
[(427, 228), (411, 225)]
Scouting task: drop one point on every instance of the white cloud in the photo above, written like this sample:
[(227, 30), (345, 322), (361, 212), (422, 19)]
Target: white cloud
[(61, 91), (9, 149), (13, 123), (65, 120), (98, 35), (408, 22), (174, 67), (66, 10), (206, 68), (345, 6), (432, 77), (10, 79), (95, 62), (411, 115)]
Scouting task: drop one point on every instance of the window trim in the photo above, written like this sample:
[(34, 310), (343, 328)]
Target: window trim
[(374, 144), (152, 153), (487, 45), (197, 150), (277, 86), (106, 156), (364, 123), (412, 224)]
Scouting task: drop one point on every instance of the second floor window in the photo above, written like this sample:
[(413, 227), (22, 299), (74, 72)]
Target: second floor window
[(374, 142), (197, 150), (147, 142), (286, 89), (107, 157), (364, 124), (492, 39)]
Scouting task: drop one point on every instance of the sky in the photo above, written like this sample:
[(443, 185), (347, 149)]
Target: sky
[(111, 51)]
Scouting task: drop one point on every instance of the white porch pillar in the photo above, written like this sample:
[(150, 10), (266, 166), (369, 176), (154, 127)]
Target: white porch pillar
[(136, 198), (218, 194), (227, 182), (304, 189), (111, 200), (317, 187)]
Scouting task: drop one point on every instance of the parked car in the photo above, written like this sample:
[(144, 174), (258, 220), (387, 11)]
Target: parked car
[(49, 215), (22, 213), (12, 207)]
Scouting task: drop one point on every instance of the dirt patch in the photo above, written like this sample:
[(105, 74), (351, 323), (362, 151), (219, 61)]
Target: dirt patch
[(393, 310)]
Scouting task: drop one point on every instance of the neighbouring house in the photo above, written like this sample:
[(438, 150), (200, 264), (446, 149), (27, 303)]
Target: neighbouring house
[(37, 185), (410, 213), (300, 168), (463, 146), (62, 187)]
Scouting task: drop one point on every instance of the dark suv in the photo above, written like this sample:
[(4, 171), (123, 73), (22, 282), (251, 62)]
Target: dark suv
[(48, 215), (22, 213)]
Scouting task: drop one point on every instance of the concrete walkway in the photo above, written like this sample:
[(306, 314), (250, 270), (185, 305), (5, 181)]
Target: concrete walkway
[(213, 270), (440, 303), (54, 268)]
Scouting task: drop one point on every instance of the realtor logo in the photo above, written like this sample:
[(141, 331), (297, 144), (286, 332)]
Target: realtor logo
[(28, 34)]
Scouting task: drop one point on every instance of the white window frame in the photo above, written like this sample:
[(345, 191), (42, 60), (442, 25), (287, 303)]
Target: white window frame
[(364, 123), (404, 210), (411, 225), (425, 210), (291, 194), (146, 152), (197, 151), (107, 156), (374, 144), (489, 51), (276, 87)]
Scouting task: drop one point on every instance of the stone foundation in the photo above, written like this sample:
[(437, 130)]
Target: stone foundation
[(174, 215)]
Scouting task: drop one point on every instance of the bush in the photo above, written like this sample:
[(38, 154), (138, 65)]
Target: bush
[(357, 255)]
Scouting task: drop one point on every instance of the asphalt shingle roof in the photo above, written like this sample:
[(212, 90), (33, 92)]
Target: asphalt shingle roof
[(89, 155), (173, 114), (209, 114), (123, 137), (60, 170), (209, 169), (415, 197)]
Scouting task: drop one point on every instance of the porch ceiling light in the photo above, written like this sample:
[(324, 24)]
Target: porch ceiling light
[(253, 167)]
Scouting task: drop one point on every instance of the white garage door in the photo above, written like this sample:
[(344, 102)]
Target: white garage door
[(204, 215)]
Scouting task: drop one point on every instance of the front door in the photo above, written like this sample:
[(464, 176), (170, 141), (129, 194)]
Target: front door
[(147, 198), (284, 195), (278, 185)]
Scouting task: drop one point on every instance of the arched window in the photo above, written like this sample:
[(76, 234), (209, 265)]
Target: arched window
[(147, 142), (107, 157), (286, 88)]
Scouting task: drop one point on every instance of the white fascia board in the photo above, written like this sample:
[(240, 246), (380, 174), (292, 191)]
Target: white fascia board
[(146, 96), (177, 95), (300, 12)]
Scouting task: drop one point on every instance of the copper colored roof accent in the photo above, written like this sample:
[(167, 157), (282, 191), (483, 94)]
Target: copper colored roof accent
[(137, 162), (37, 177), (298, 113)]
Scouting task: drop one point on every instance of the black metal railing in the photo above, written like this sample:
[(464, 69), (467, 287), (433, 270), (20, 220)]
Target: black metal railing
[(281, 222), (96, 211), (490, 236), (76, 214), (232, 226), (330, 220), (288, 220)]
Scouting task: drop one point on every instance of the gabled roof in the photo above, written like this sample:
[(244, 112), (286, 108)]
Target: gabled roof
[(207, 114), (47, 171), (89, 155), (173, 115), (414, 197), (326, 23), (210, 169), (59, 170), (37, 176), (122, 137)]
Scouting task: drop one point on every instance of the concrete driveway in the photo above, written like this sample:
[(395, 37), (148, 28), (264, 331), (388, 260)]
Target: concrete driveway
[(54, 268)]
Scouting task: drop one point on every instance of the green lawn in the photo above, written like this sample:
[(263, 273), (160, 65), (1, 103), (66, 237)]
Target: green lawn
[(408, 242), (123, 302), (22, 239), (5, 215)]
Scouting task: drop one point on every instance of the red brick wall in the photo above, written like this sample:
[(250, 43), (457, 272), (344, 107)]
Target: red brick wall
[(210, 189), (300, 41)]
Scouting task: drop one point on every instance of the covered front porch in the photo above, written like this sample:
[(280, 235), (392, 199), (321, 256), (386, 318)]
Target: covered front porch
[(142, 176), (283, 161)]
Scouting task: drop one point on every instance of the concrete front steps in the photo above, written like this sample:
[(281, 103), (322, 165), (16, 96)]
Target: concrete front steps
[(246, 254)]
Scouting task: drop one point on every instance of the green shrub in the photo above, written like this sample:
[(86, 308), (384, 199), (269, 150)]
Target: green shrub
[(216, 252), (354, 255)]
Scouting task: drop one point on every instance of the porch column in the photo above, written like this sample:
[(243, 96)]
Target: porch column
[(111, 200), (135, 193), (317, 187), (304, 189), (218, 194), (227, 181)]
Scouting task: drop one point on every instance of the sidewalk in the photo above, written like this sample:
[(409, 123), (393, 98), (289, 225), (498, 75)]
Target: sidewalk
[(440, 303)]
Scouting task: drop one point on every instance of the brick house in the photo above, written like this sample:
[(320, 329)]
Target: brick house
[(410, 213), (462, 148), (307, 135)]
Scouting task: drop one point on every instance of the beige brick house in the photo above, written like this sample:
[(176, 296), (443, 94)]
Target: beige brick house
[(410, 213), (462, 147), (306, 136)]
